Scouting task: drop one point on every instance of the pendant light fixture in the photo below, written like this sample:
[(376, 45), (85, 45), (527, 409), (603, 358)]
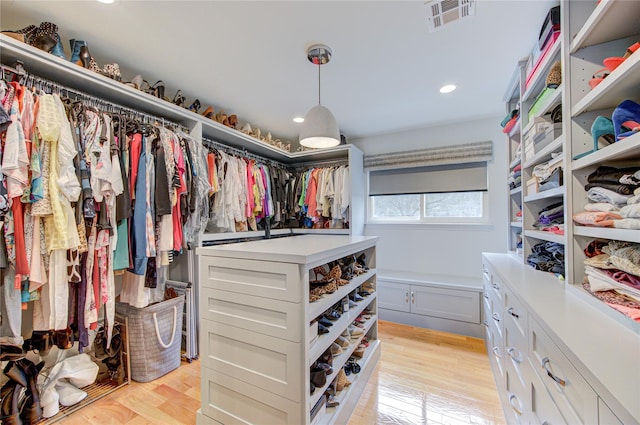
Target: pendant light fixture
[(320, 129)]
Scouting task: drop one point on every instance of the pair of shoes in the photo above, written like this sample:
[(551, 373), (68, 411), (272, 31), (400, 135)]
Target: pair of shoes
[(359, 352), (40, 341), (351, 366), (331, 400), (626, 119), (157, 89), (336, 349), (342, 341), (325, 322), (179, 99), (209, 113), (613, 62), (322, 329), (332, 314), (44, 37), (355, 331), (11, 352), (23, 375), (355, 297), (341, 381)]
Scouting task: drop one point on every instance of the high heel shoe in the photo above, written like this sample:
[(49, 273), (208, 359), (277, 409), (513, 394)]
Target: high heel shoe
[(136, 82), (75, 49), (84, 57), (195, 106), (157, 89), (179, 99), (221, 116), (231, 121), (627, 114), (209, 112), (58, 50)]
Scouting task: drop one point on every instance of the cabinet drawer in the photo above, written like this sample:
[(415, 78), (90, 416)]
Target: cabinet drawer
[(280, 281), (543, 409), (273, 364), (495, 351), (496, 287), (270, 317), (393, 296), (446, 303), (575, 399), (517, 410), (515, 347), (515, 315), (231, 401), (606, 415)]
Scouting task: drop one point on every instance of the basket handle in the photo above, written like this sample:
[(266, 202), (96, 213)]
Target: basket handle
[(173, 332)]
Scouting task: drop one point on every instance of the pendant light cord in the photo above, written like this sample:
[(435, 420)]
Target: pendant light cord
[(319, 63)]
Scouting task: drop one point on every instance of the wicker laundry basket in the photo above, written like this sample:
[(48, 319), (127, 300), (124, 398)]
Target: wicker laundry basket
[(154, 337)]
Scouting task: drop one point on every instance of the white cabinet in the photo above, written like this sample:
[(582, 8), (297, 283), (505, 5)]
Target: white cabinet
[(256, 342), (436, 302), (555, 358)]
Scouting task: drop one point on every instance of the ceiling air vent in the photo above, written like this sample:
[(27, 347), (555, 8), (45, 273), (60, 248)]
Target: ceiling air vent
[(443, 12)]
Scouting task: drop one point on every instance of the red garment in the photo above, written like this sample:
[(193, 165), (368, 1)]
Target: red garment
[(312, 191), (211, 166), (22, 265), (135, 150)]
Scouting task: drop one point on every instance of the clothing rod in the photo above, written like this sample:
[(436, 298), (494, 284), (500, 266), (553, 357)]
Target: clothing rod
[(240, 152), (40, 83), (323, 164)]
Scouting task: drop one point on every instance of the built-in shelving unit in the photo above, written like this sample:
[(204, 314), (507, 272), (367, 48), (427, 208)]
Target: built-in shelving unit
[(258, 346)]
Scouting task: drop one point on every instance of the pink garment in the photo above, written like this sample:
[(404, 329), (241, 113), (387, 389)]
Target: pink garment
[(632, 313), (250, 182), (312, 191), (596, 218), (102, 243), (135, 150), (175, 213)]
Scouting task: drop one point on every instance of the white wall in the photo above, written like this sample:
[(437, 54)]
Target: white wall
[(444, 249)]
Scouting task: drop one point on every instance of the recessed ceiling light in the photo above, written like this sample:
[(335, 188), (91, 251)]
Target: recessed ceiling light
[(106, 1), (298, 119), (447, 88)]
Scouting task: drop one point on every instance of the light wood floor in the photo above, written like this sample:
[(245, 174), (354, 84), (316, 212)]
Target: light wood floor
[(423, 377)]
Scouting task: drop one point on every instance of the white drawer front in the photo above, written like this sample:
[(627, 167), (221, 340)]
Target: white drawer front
[(280, 281), (517, 410), (543, 409), (273, 364), (515, 314), (606, 415), (230, 401), (270, 317), (446, 303), (495, 351), (515, 347), (574, 397), (393, 296)]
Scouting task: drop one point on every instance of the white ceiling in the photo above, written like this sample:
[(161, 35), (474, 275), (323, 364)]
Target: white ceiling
[(249, 58)]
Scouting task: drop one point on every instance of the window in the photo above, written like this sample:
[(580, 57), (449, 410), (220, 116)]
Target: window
[(449, 207)]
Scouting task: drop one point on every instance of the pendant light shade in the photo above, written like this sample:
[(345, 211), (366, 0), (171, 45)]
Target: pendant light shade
[(320, 129)]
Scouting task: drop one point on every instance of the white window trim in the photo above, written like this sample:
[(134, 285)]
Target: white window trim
[(444, 221)]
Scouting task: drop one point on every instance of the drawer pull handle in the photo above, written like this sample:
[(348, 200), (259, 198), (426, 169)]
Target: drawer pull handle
[(510, 311), (546, 423), (513, 354), (559, 380), (406, 294), (495, 286), (518, 410), (496, 352), (485, 295), (496, 317), (484, 322), (413, 297)]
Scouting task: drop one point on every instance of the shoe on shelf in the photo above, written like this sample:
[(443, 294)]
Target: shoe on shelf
[(336, 349), (195, 106), (342, 341), (157, 89), (325, 322), (346, 334), (209, 112), (341, 381), (352, 304), (355, 297), (626, 114), (179, 99), (355, 331), (322, 329), (359, 352)]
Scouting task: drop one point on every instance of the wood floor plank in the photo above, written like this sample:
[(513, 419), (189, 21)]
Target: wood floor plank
[(423, 377)]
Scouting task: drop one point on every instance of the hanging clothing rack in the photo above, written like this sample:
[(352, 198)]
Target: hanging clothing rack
[(323, 164), (240, 152), (52, 87)]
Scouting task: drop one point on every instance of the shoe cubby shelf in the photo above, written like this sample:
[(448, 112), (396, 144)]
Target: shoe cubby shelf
[(607, 233), (340, 360), (537, 82), (621, 84), (324, 341), (256, 343), (545, 236), (545, 153), (42, 64), (516, 224), (316, 308), (557, 192), (344, 397), (623, 150), (610, 21), (516, 191)]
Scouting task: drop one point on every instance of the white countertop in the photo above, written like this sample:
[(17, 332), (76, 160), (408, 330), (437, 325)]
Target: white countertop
[(606, 345), (303, 249)]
